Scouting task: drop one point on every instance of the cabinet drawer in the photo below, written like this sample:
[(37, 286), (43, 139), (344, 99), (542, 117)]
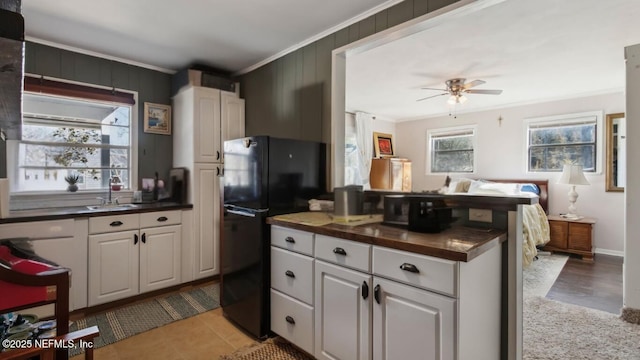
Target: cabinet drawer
[(343, 252), (293, 320), (292, 274), (294, 240), (160, 218), (113, 223), (428, 272)]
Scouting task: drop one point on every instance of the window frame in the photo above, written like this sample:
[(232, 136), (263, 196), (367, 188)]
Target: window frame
[(563, 120), (439, 132), (59, 198)]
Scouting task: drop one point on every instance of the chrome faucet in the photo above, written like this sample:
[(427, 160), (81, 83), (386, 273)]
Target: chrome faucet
[(108, 201)]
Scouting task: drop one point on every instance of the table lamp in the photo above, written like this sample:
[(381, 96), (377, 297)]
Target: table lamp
[(572, 175)]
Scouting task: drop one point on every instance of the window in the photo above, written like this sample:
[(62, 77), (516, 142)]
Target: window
[(451, 150), (63, 136), (570, 139)]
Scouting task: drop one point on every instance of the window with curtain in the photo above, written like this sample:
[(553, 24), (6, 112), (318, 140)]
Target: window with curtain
[(451, 150), (551, 144)]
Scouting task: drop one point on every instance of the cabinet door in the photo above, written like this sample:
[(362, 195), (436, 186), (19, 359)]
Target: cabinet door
[(231, 116), (159, 257), (558, 234), (207, 133), (410, 323), (342, 313), (579, 236), (206, 206), (113, 266)]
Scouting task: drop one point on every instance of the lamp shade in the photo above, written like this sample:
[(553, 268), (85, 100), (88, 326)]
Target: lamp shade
[(572, 175)]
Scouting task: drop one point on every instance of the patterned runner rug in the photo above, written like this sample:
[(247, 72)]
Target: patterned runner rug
[(124, 322)]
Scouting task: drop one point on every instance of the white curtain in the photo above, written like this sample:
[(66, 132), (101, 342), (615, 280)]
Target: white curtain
[(364, 140)]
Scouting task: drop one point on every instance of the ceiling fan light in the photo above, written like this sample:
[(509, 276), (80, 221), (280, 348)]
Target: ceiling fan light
[(462, 99), (452, 100)]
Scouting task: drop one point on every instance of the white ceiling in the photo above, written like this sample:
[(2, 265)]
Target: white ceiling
[(535, 51), (230, 35)]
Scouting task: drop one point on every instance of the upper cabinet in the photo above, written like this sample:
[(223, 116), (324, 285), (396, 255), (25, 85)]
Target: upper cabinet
[(204, 118)]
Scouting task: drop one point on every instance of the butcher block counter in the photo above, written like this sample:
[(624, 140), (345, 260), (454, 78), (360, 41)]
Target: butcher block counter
[(458, 243)]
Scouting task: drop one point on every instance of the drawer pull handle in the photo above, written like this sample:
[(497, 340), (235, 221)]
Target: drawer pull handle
[(217, 171), (135, 239), (339, 251), (290, 320), (410, 268), (218, 156), (376, 293), (290, 274), (365, 290), (290, 240), (116, 223), (162, 219), (144, 238)]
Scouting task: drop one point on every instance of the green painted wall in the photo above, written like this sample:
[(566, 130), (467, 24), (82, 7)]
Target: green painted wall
[(291, 96), (155, 152)]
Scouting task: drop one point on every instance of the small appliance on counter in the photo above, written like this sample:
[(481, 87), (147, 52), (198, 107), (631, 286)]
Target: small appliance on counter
[(428, 213), (396, 210), (348, 201)]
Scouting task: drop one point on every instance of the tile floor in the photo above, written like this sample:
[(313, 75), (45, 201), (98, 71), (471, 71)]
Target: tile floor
[(204, 336)]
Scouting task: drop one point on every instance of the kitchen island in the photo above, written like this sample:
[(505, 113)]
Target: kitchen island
[(374, 291)]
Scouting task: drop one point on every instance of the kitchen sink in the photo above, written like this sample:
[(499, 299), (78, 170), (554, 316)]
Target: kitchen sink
[(112, 207)]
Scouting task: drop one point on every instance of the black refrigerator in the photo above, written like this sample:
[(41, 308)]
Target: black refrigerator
[(263, 176)]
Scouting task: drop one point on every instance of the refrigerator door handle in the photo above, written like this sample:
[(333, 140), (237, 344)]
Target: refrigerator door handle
[(241, 213)]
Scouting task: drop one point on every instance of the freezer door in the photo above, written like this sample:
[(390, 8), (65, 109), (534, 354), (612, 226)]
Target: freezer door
[(245, 172)]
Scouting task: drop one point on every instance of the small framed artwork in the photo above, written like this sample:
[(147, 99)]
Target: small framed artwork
[(157, 118), (383, 144)]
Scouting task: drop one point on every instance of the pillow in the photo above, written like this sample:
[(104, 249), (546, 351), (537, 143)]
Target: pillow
[(493, 188), (459, 186)]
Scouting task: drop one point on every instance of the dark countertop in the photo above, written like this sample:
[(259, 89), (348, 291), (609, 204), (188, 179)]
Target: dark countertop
[(83, 211), (457, 243)]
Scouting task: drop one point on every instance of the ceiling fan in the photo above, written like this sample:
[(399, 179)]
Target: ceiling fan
[(457, 88)]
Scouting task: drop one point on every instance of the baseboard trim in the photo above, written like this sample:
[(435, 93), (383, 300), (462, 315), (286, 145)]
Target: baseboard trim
[(609, 252), (630, 315)]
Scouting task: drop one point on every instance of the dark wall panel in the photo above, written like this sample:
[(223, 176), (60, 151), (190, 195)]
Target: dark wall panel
[(155, 152), (291, 96)]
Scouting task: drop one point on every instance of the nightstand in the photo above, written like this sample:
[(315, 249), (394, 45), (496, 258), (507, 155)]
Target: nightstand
[(571, 236)]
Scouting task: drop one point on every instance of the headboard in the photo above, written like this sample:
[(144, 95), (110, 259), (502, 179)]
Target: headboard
[(543, 185)]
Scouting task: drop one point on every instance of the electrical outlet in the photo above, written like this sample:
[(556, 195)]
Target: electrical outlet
[(482, 215)]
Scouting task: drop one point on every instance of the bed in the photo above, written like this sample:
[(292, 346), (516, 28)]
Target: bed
[(534, 217)]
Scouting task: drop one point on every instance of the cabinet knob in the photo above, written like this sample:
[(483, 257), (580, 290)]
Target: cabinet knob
[(365, 290), (376, 293), (144, 238), (135, 239), (217, 155), (290, 320), (290, 274), (290, 240)]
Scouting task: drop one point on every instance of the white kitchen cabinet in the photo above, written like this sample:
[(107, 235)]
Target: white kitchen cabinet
[(411, 323), (144, 256), (63, 242), (204, 118), (206, 218), (342, 313), (113, 266)]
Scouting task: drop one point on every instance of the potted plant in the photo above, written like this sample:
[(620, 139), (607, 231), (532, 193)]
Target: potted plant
[(72, 180)]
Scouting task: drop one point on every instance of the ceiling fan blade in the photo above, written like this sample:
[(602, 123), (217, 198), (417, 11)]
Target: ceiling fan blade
[(472, 84), (427, 88), (429, 97), (486, 92)]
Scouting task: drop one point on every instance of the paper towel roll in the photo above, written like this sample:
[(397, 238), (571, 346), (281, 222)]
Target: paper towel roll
[(4, 198)]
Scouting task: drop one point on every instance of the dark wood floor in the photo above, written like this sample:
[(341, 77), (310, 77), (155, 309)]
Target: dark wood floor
[(596, 285)]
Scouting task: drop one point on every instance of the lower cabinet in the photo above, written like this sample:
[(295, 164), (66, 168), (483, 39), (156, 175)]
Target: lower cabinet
[(138, 259), (408, 321), (343, 313)]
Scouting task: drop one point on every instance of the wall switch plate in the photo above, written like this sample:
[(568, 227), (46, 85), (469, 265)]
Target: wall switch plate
[(482, 215)]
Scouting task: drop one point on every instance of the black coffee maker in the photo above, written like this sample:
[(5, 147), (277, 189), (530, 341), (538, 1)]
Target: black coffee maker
[(428, 214)]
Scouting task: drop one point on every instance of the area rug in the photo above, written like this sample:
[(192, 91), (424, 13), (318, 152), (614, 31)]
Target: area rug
[(124, 322), (271, 349), (555, 330)]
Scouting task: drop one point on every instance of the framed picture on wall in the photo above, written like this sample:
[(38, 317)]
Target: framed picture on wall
[(383, 144), (157, 118)]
